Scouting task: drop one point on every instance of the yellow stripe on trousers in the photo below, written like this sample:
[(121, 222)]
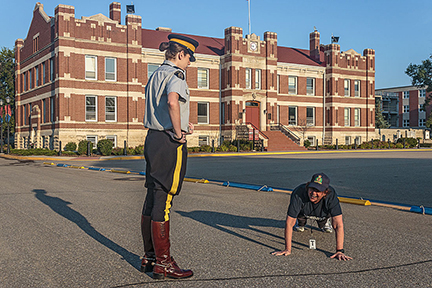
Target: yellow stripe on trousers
[(176, 180)]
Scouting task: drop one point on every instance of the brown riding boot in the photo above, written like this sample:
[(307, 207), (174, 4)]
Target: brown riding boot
[(149, 259), (165, 264)]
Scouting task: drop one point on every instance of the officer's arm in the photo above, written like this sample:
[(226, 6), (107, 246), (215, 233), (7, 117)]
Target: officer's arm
[(174, 113)]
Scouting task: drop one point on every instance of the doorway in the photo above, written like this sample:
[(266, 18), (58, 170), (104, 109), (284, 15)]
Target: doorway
[(253, 113)]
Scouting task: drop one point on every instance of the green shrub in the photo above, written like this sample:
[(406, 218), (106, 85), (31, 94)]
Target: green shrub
[(306, 143), (71, 146), (82, 147), (38, 151), (409, 142), (139, 150), (205, 148), (117, 151), (399, 145), (130, 151), (232, 148), (104, 147), (428, 145), (225, 148), (68, 153)]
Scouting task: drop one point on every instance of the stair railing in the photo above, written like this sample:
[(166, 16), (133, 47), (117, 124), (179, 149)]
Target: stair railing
[(285, 130)]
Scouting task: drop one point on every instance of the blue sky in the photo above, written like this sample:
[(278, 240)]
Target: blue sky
[(399, 31)]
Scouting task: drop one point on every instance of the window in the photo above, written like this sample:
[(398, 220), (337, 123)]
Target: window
[(222, 115), (203, 140), (45, 110), (347, 87), (25, 81), (278, 79), (292, 115), (25, 115), (113, 138), (347, 140), (37, 76), (347, 118), (423, 93), (52, 71), (312, 140), (292, 85), (357, 140), (248, 78), (422, 107), (405, 122), (110, 109), (406, 108), (406, 94), (422, 122), (203, 78), (110, 69), (91, 108), (52, 109), (310, 86), (151, 68), (93, 139), (310, 116), (43, 73), (31, 78), (357, 88), (90, 67), (203, 112), (357, 117), (258, 79)]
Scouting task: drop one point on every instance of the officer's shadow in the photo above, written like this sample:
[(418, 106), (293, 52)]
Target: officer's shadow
[(221, 220), (61, 207)]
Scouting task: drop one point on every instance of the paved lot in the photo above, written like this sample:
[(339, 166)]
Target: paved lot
[(63, 227)]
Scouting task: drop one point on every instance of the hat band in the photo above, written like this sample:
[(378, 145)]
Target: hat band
[(184, 43)]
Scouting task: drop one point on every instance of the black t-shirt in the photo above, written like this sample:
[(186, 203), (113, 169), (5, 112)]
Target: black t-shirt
[(300, 205)]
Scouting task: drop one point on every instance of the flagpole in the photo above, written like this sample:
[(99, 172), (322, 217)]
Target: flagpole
[(249, 16)]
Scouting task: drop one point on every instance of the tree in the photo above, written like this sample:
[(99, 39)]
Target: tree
[(7, 82), (380, 122), (421, 76)]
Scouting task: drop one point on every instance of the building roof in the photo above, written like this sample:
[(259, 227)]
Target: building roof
[(297, 56), (207, 45)]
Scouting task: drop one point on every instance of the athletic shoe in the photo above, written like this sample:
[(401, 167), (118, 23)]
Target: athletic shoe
[(327, 227), (299, 228)]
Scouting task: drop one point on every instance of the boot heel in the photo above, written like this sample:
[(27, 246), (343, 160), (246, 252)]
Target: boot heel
[(158, 276)]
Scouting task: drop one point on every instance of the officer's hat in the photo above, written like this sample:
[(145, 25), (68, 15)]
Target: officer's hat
[(189, 43)]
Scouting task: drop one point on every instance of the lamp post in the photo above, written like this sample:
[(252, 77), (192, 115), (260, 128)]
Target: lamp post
[(1, 126), (8, 146)]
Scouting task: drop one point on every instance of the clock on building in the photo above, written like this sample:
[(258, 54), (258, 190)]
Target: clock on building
[(253, 46)]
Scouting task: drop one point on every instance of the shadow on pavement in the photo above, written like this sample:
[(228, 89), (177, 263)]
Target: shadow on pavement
[(221, 220), (61, 207)]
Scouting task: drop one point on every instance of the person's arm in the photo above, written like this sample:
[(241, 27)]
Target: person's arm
[(174, 113), (289, 224), (337, 223)]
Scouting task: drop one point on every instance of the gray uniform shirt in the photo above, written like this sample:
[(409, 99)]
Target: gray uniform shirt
[(166, 79)]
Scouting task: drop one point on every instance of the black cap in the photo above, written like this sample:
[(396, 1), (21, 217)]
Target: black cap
[(189, 43), (319, 181)]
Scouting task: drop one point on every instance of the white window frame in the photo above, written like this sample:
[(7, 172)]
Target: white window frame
[(113, 138), (312, 140), (422, 122), (151, 68), (203, 83), (95, 140), (313, 117), (347, 140), (25, 81), (52, 72), (31, 78), (202, 117), (111, 113), (43, 73), (203, 140), (290, 90), (290, 123), (37, 76), (357, 88), (109, 73), (277, 83), (406, 108), (347, 90), (422, 93), (88, 68), (87, 113), (405, 123), (406, 95), (258, 74), (357, 117), (347, 117), (248, 78), (308, 86), (357, 140)]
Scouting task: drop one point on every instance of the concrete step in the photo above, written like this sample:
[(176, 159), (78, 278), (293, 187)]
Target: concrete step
[(279, 142)]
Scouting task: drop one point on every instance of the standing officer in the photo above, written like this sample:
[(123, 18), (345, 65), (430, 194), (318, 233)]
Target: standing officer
[(315, 200), (165, 152)]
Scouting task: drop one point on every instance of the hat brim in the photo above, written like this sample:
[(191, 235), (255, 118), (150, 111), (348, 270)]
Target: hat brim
[(318, 186)]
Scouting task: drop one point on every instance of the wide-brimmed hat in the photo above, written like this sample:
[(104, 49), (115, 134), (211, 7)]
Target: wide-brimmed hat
[(189, 43)]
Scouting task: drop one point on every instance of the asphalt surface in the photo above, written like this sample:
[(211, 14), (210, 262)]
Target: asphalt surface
[(65, 227), (390, 176)]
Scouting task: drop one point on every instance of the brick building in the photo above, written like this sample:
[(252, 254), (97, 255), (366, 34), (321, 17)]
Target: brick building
[(85, 78), (404, 107)]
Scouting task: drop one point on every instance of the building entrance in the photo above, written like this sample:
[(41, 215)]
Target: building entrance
[(252, 113)]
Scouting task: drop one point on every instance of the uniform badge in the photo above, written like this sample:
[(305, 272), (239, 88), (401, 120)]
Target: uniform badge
[(179, 74), (318, 179)]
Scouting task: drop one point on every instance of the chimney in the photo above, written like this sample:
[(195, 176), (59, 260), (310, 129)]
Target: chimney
[(314, 45), (115, 11)]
